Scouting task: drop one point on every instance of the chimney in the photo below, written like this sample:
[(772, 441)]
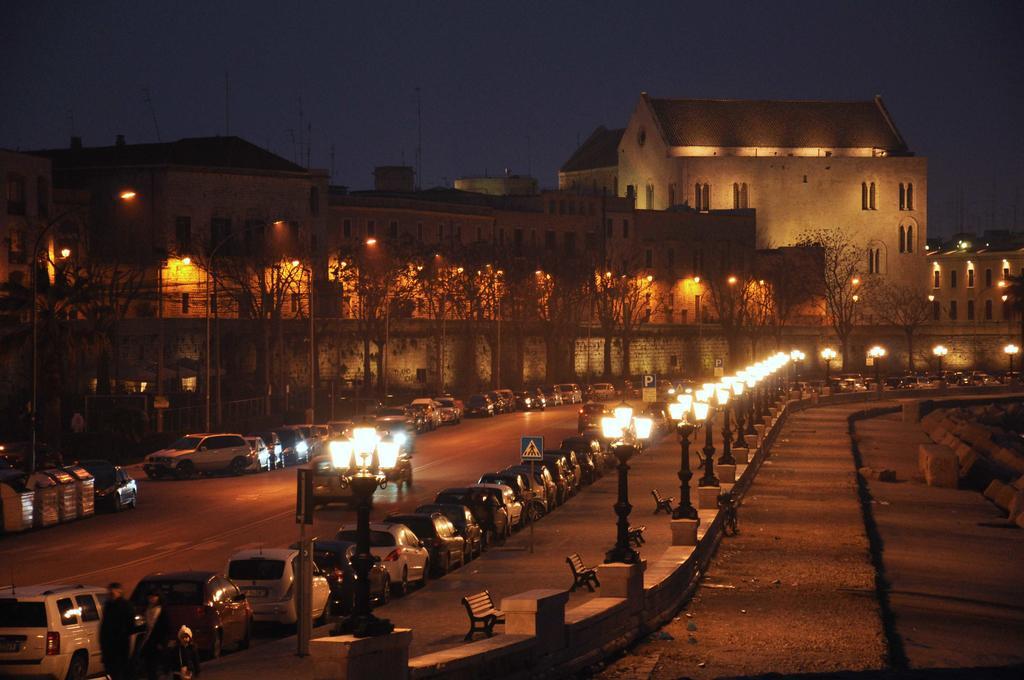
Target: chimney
[(120, 140), (76, 143)]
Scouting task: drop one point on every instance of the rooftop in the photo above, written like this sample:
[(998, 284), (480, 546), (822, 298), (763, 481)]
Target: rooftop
[(600, 150)]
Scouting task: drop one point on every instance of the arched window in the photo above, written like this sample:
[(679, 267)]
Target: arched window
[(988, 310), (863, 195), (871, 261), (871, 196), (671, 195), (878, 260), (696, 196), (910, 238), (743, 196), (705, 196), (650, 197), (910, 196), (903, 197), (903, 234), (735, 195)]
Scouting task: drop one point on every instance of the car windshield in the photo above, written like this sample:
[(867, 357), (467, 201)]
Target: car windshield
[(477, 400), (446, 402), (14, 614), (256, 569), (391, 411), (423, 527), (103, 474), (172, 592), (186, 443), (378, 539), (328, 559)]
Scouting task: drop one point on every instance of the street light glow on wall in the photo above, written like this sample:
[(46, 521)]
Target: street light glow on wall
[(127, 195)]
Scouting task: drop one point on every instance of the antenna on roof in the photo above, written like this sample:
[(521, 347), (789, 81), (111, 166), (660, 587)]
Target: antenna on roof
[(227, 105), (291, 133), (152, 111), (419, 140), (332, 162), (529, 160), (302, 150), (309, 142)]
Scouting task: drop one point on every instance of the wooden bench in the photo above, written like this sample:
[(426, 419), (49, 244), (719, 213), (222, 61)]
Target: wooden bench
[(582, 575), (662, 503), (482, 614), (636, 535)]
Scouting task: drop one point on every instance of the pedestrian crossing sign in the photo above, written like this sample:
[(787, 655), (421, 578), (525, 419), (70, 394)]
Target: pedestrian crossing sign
[(531, 448)]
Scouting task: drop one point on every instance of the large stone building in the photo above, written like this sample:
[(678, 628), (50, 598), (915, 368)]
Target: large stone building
[(801, 165), (27, 210)]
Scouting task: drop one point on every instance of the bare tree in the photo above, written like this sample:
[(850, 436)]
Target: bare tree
[(730, 298), (902, 306), (786, 272)]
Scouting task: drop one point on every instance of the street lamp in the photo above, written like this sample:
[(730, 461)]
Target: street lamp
[(940, 351), (704, 405), (828, 355), (877, 353), (722, 394), (1010, 351), (626, 434), (680, 411), (363, 463), (738, 388)]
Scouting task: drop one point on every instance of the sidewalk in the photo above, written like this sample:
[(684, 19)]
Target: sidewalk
[(794, 591), (585, 524), (955, 573)]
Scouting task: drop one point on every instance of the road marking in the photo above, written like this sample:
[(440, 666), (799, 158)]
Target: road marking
[(135, 546), (209, 545), (175, 545)]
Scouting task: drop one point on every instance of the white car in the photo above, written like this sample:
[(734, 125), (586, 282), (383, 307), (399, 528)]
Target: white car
[(196, 453), (602, 391), (399, 550), (571, 393), (51, 632), (508, 497), (431, 411), (267, 577), (262, 461)]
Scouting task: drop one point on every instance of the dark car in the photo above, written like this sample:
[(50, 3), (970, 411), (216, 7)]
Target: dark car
[(533, 506), (480, 405), (487, 507), (438, 535), (528, 401), (501, 404), (205, 601), (658, 412), (335, 559), (541, 483), (561, 476), (590, 416), (294, 449), (274, 446), (400, 429), (465, 525), (591, 457), (114, 488)]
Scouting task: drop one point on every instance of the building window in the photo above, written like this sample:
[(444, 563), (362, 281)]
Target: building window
[(630, 191), (183, 234), (739, 195), (625, 228), (952, 278), (393, 228), (988, 278), (314, 201), (910, 238), (970, 310), (42, 197), (346, 228), (15, 194), (1006, 273), (650, 197), (910, 196), (903, 197), (936, 278), (970, 277), (903, 237), (863, 195), (550, 239), (952, 310), (185, 303), (871, 196), (988, 310), (702, 196), (16, 252), (936, 310), (648, 258), (220, 231), (570, 243)]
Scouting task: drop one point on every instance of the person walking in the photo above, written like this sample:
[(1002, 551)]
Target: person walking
[(116, 633), (153, 647), (185, 657)]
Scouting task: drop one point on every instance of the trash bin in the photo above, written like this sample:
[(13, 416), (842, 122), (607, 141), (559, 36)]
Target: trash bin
[(67, 503), (85, 490), (15, 502), (44, 501)]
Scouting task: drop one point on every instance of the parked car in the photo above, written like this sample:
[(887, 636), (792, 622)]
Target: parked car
[(400, 429), (261, 463), (207, 602), (571, 393), (564, 487), (267, 577), (508, 397), (447, 548), (573, 461), (327, 484), (602, 391), (429, 409), (501, 404), (480, 405), (294, 449), (528, 401), (51, 632), (591, 457), (981, 378), (273, 443), (334, 559), (552, 396), (339, 428), (316, 437), (200, 453), (113, 487), (487, 506), (540, 481), (521, 510), (399, 550), (590, 416), (465, 525), (451, 410)]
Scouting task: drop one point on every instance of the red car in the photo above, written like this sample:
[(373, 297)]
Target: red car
[(205, 601)]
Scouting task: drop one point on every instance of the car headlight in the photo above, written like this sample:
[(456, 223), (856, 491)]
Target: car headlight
[(529, 401), (301, 447), (399, 438)]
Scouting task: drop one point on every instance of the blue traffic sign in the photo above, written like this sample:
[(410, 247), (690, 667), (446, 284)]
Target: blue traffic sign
[(531, 447), (649, 381)]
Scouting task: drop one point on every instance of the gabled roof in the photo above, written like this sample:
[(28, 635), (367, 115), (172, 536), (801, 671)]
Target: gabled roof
[(785, 124), (211, 152), (600, 150)]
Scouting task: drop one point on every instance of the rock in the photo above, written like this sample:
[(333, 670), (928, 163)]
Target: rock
[(691, 626), (1016, 507), (701, 664), (884, 475), (692, 640), (1000, 494), (939, 465)]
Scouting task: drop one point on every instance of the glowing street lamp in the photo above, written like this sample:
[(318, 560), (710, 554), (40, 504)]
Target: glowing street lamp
[(1011, 351), (940, 351), (627, 434), (877, 353), (681, 411), (828, 355), (704, 406)]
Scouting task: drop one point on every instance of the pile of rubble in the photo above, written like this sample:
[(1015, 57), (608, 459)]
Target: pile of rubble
[(980, 447)]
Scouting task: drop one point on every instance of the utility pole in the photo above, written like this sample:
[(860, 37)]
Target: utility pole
[(419, 141)]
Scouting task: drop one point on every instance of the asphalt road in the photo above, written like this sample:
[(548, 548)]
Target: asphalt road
[(198, 524)]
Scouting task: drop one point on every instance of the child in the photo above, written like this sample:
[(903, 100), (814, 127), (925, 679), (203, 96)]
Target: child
[(185, 656)]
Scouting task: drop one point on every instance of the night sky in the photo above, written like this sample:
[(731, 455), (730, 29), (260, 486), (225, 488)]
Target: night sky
[(514, 85)]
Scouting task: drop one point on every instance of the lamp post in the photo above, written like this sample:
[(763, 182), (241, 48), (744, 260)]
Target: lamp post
[(363, 463), (828, 355), (709, 478), (626, 432), (1011, 350), (877, 353), (940, 351), (680, 411), (751, 396), (722, 393), (738, 389)]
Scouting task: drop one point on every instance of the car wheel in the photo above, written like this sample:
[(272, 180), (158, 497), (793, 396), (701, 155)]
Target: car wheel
[(247, 638), (385, 593), (403, 587), (238, 466), (79, 667), (185, 470), (426, 573), (218, 644)]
